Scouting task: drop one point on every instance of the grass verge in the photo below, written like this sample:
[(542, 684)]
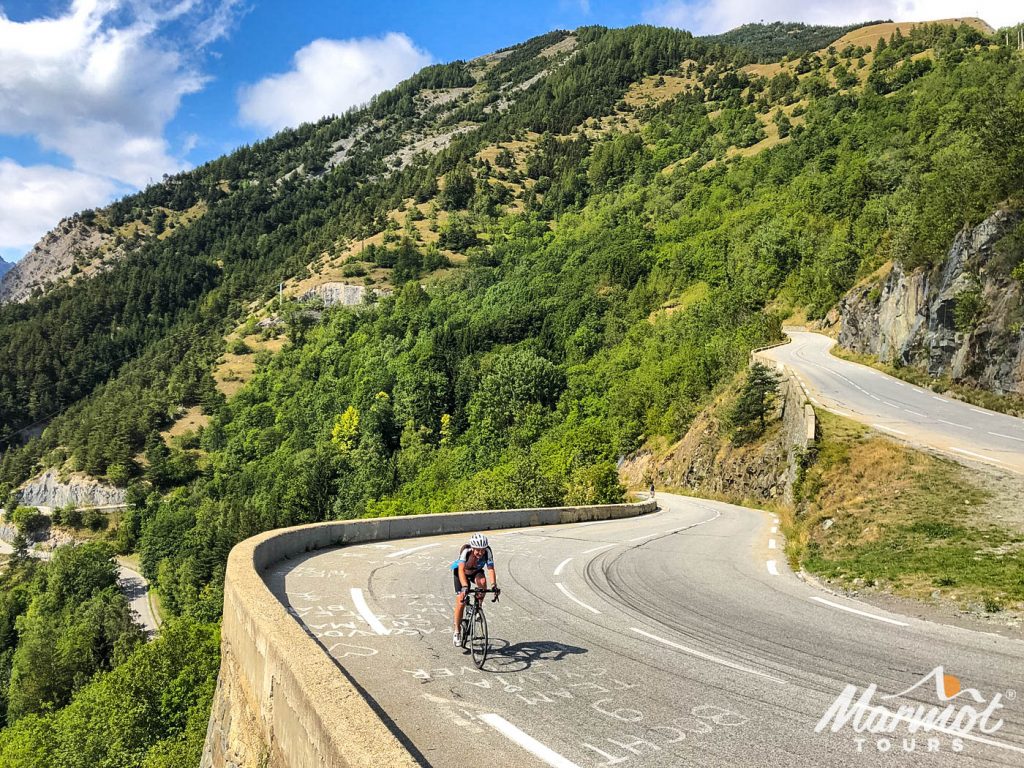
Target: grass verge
[(872, 513)]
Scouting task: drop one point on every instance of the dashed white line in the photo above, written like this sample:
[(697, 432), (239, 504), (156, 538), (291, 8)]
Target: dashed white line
[(597, 549), (410, 551), (708, 656), (978, 410), (561, 565), (888, 429), (976, 455), (773, 569), (367, 614), (940, 399), (893, 405), (874, 397), (916, 413), (527, 742), (775, 529), (771, 543), (575, 599), (954, 424), (1008, 437), (848, 609)]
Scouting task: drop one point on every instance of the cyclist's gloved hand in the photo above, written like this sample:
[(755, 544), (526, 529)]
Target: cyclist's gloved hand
[(465, 590)]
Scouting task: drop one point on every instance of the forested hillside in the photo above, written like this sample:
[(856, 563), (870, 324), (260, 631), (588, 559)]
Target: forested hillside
[(576, 243)]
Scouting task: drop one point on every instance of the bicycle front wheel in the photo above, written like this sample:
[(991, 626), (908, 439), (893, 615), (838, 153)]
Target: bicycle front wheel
[(478, 639)]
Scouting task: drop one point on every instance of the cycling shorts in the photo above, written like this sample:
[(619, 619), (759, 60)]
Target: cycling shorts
[(470, 577)]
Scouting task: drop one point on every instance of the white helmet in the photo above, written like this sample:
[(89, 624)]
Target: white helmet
[(478, 541)]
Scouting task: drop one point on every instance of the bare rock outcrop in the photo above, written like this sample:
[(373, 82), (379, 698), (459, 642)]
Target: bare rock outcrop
[(706, 462), (48, 490), (53, 258), (911, 318)]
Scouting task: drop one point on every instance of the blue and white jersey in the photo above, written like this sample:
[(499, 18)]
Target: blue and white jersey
[(473, 563)]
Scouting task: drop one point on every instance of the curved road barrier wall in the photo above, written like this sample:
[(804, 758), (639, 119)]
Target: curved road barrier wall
[(281, 701), (798, 419)]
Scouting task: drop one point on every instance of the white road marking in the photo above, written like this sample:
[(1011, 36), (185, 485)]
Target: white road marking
[(366, 613), (771, 543), (772, 568), (978, 410), (1008, 437), (561, 565), (860, 613), (940, 399), (527, 742), (402, 552), (873, 397), (899, 384), (597, 549), (775, 529), (976, 455), (888, 429), (641, 538), (576, 600), (708, 656), (954, 424), (916, 413), (893, 405)]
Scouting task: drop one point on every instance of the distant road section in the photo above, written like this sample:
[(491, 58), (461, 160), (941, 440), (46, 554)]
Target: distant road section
[(135, 587), (902, 410)]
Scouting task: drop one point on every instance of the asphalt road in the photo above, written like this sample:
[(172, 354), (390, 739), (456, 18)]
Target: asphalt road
[(679, 638), (909, 413), (135, 587), (132, 583)]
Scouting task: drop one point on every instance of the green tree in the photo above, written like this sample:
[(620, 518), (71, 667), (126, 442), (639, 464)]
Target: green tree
[(754, 402)]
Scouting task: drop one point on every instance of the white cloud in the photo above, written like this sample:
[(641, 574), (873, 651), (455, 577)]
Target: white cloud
[(328, 77), (36, 197), (98, 85), (712, 16)]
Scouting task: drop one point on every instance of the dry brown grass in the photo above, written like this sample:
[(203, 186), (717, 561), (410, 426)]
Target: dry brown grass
[(868, 36), (647, 92), (235, 371), (191, 420)]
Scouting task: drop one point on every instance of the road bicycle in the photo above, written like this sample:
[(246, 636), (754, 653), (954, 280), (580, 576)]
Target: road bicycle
[(474, 624)]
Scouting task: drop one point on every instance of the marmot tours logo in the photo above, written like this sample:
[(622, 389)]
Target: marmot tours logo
[(902, 721)]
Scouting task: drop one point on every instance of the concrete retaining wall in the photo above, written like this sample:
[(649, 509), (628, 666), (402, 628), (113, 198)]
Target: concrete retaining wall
[(281, 702), (798, 419)]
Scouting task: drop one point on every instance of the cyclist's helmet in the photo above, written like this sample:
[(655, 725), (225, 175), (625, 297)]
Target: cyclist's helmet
[(478, 541)]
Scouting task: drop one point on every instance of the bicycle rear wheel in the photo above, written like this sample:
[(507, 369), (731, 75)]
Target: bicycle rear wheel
[(478, 639)]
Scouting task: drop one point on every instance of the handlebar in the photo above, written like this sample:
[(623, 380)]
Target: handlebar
[(495, 591)]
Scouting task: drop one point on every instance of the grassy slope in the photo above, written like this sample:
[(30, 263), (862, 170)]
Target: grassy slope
[(902, 521)]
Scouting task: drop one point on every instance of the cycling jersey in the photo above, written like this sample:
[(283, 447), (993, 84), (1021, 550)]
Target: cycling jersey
[(474, 565)]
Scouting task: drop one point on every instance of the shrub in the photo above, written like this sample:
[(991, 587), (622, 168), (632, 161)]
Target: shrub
[(29, 521)]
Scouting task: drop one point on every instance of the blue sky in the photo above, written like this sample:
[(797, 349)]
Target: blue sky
[(100, 97)]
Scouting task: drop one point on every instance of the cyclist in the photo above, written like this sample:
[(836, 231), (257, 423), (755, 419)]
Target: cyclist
[(474, 558)]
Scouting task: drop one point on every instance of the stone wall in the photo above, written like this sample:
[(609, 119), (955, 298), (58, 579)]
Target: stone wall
[(281, 702)]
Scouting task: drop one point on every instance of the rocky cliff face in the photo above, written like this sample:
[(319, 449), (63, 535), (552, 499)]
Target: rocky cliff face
[(48, 490), (5, 267), (53, 258), (964, 318), (706, 462)]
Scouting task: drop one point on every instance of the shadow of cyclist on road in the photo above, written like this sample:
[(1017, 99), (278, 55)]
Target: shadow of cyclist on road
[(505, 658)]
